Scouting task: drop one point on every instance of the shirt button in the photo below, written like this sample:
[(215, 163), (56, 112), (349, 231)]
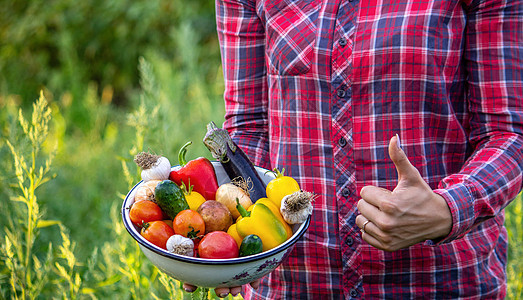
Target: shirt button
[(354, 293), (341, 93), (350, 241), (345, 192), (342, 142), (342, 42)]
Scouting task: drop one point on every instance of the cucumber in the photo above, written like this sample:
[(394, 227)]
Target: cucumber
[(251, 244), (170, 198)]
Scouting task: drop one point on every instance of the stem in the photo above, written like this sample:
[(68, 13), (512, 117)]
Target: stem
[(277, 172), (205, 293), (217, 140), (181, 154), (30, 207), (243, 212)]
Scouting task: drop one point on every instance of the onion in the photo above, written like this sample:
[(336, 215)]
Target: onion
[(227, 194), (146, 190)]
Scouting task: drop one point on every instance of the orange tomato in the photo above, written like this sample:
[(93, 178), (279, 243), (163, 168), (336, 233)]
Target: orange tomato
[(145, 211), (189, 223), (157, 232)]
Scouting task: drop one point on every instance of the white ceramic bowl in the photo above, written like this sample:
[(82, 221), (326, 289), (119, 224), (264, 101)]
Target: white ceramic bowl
[(213, 273)]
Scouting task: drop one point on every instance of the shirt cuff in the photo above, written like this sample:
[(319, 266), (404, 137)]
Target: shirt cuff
[(460, 202)]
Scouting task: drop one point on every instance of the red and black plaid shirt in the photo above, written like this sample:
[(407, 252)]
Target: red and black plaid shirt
[(319, 88)]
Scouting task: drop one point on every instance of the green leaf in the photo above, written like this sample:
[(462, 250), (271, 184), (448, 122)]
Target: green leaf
[(87, 291), (109, 281), (47, 223)]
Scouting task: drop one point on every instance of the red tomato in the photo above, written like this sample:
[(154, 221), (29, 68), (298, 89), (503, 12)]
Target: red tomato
[(145, 211), (217, 245), (189, 223), (157, 232)]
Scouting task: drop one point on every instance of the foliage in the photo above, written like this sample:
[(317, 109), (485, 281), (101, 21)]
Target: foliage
[(514, 224), (27, 273), (32, 267), (62, 45)]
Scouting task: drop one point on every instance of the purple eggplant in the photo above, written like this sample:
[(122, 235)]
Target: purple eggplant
[(234, 161)]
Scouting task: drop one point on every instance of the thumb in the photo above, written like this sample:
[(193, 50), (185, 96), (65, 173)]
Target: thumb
[(406, 171)]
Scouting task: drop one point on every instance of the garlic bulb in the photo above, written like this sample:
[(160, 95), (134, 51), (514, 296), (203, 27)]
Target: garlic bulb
[(178, 244), (296, 207), (154, 167), (146, 190)]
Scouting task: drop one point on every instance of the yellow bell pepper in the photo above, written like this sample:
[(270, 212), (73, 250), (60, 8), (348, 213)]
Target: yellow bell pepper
[(234, 233), (277, 213), (261, 221)]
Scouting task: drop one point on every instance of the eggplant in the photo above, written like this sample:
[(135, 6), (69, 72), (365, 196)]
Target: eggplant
[(234, 161)]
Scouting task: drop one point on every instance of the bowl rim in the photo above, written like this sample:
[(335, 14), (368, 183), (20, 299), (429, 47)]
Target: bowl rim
[(196, 260)]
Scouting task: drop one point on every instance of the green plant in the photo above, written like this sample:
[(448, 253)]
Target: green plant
[(24, 279), (64, 45), (27, 266), (514, 224)]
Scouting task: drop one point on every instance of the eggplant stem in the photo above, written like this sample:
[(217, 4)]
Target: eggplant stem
[(216, 139)]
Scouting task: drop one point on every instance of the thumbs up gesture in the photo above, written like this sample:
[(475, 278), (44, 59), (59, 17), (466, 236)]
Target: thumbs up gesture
[(411, 213)]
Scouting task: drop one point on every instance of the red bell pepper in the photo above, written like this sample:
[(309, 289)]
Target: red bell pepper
[(198, 172)]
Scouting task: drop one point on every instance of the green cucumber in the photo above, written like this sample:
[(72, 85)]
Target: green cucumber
[(251, 244), (170, 198)]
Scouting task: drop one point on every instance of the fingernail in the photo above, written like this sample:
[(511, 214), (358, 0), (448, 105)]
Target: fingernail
[(223, 295), (188, 290), (398, 143)]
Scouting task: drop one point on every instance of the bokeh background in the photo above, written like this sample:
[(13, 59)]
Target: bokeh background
[(84, 86)]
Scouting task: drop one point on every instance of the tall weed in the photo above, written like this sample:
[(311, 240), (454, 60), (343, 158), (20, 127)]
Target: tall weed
[(514, 224), (28, 266)]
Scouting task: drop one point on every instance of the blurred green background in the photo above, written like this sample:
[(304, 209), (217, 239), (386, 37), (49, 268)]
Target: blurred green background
[(118, 77)]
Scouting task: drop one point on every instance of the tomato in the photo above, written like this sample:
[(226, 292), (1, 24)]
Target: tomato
[(189, 223), (280, 187), (145, 211), (218, 245), (157, 232)]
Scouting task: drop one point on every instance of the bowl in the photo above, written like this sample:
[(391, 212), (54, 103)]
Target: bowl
[(212, 273)]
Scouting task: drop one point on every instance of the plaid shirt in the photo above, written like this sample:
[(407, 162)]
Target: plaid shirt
[(319, 88)]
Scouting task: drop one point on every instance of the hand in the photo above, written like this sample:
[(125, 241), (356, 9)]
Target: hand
[(410, 214), (223, 292)]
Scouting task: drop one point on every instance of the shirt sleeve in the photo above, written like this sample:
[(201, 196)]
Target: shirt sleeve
[(492, 177), (242, 43)]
